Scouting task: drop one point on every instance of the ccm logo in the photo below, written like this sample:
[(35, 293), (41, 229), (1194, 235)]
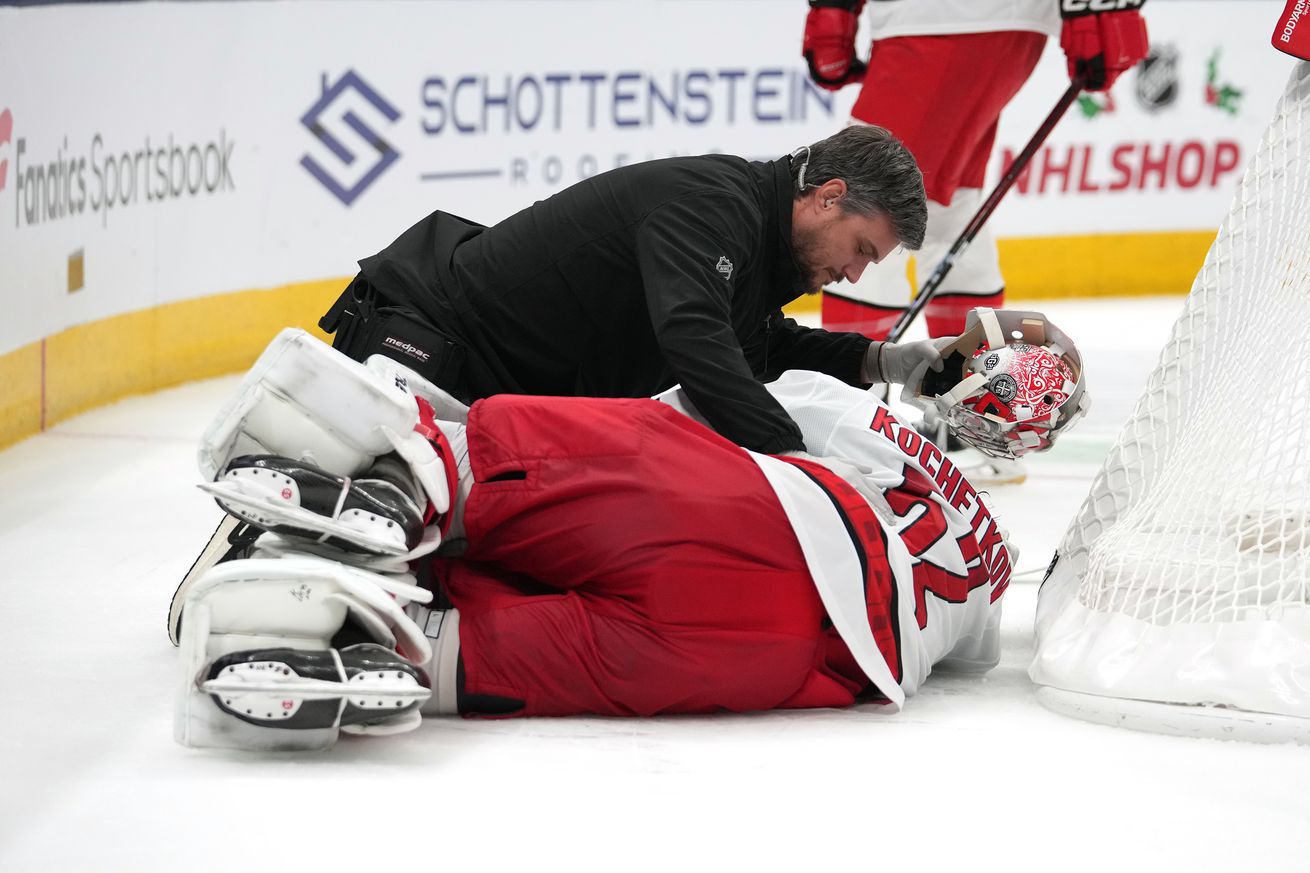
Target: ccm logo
[(1078, 7)]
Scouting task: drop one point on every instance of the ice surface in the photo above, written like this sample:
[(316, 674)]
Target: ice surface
[(99, 519)]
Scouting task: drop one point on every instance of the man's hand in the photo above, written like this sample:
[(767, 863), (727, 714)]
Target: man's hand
[(854, 475), (829, 46), (1100, 45), (894, 362)]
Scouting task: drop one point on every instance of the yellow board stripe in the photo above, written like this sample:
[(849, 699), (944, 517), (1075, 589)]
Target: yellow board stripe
[(1103, 265), (1100, 265), (103, 361)]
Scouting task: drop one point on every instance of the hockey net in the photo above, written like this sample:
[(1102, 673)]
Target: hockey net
[(1180, 597)]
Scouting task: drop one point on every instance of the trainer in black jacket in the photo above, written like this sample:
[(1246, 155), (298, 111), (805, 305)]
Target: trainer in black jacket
[(665, 272)]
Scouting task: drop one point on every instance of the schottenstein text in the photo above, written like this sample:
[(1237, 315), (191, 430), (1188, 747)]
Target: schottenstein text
[(105, 177)]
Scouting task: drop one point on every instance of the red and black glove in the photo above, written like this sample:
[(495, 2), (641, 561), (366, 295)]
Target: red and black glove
[(829, 46), (1102, 38)]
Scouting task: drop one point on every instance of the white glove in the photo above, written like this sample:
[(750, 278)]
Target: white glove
[(854, 474), (894, 362)]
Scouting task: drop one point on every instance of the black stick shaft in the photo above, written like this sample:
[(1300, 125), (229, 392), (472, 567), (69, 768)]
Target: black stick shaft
[(984, 212)]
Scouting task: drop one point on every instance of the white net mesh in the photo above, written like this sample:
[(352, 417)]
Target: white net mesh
[(1185, 577)]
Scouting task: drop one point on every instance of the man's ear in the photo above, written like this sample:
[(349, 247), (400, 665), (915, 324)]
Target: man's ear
[(830, 192)]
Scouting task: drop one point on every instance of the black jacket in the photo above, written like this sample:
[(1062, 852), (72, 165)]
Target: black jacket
[(664, 272)]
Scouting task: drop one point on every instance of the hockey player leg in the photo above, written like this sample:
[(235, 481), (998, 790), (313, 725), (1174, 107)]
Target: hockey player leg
[(258, 666), (974, 279)]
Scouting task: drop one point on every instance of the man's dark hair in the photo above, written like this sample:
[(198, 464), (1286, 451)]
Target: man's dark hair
[(880, 175)]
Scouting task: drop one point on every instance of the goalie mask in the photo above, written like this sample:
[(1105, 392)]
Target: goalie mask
[(1010, 384)]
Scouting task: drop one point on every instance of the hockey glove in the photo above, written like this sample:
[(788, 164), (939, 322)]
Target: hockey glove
[(1101, 45), (829, 45), (894, 362)]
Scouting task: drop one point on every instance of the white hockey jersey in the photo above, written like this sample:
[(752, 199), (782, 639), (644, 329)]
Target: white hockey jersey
[(889, 18), (948, 558)]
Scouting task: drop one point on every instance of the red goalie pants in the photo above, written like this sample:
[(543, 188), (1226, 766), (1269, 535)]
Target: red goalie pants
[(625, 560)]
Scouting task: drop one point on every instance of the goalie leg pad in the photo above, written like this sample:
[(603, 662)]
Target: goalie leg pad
[(280, 614), (304, 400), (294, 498)]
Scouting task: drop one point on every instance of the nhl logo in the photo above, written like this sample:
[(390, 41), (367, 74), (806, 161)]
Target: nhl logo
[(1157, 78), (724, 266)]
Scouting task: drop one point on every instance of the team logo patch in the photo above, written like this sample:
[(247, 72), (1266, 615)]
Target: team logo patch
[(1004, 387), (724, 266)]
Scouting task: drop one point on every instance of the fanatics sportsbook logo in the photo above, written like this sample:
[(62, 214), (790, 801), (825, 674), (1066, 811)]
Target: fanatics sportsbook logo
[(724, 266), (6, 134), (347, 98)]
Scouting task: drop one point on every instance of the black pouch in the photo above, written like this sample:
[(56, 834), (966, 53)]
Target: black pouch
[(362, 323)]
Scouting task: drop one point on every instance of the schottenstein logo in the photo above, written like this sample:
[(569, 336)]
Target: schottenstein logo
[(408, 348), (339, 108)]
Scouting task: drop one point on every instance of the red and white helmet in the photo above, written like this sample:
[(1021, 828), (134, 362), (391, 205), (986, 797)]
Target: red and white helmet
[(1009, 385)]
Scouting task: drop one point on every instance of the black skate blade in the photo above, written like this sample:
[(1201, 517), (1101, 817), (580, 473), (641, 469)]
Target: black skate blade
[(229, 538)]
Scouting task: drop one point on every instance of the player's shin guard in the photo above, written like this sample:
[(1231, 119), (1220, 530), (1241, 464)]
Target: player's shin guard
[(260, 668)]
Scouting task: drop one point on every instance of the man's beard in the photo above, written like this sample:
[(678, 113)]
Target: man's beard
[(803, 251)]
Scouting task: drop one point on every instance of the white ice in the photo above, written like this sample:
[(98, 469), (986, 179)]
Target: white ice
[(99, 519)]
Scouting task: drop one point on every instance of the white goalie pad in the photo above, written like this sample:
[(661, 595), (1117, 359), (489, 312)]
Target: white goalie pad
[(304, 400), (444, 406), (293, 602)]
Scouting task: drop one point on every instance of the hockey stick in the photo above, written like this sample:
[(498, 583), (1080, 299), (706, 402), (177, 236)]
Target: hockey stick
[(929, 288)]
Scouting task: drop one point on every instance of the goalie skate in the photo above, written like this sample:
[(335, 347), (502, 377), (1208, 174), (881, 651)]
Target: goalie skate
[(293, 498), (364, 688), (990, 472)]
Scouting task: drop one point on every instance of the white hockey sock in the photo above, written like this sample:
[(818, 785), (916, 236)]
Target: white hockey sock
[(457, 435), (441, 626)]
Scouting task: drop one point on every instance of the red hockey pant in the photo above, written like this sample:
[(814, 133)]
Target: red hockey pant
[(942, 97), (625, 560)]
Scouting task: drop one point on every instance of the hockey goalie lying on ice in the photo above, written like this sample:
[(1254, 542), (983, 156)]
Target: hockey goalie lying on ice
[(609, 557)]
